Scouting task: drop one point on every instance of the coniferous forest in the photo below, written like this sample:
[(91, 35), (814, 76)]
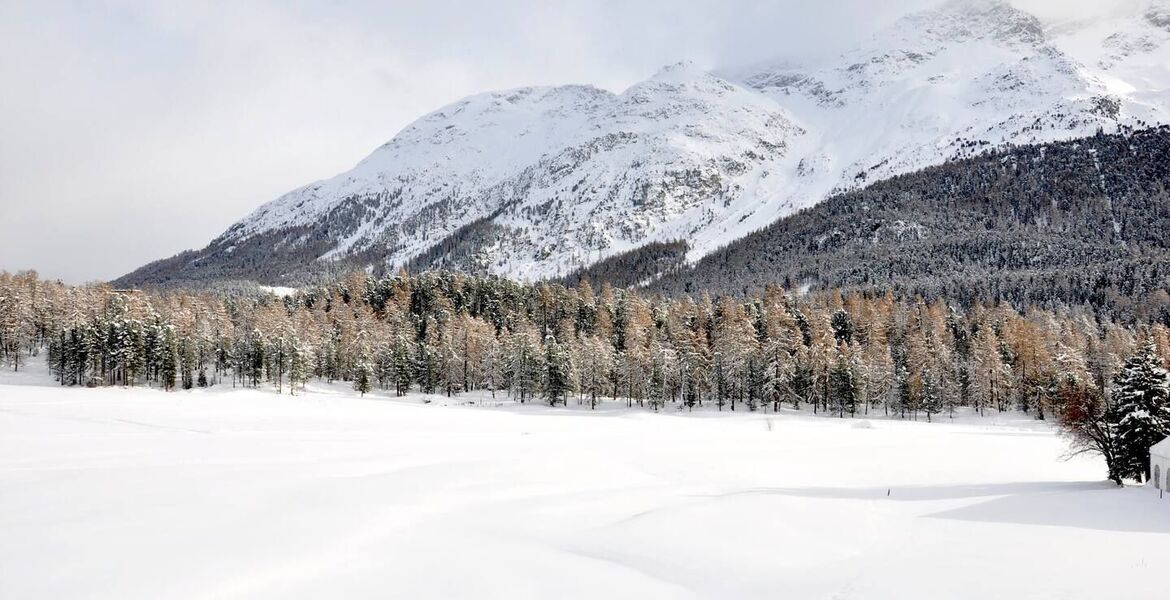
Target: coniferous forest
[(1067, 223), (443, 333)]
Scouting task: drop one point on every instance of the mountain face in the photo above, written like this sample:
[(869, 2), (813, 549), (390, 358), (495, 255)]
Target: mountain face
[(1081, 222), (539, 182)]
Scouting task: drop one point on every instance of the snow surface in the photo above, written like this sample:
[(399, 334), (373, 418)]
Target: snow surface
[(280, 290), (1162, 448), (574, 174), (133, 493)]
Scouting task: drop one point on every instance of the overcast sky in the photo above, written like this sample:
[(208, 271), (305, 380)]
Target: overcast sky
[(131, 131)]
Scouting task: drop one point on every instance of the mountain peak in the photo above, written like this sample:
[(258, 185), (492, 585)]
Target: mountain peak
[(683, 70), (966, 20), (1158, 14)]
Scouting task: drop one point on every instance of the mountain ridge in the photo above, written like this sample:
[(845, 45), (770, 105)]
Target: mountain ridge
[(537, 182)]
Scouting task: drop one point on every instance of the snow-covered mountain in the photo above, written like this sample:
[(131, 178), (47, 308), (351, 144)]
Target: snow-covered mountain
[(947, 82), (536, 182), (571, 173)]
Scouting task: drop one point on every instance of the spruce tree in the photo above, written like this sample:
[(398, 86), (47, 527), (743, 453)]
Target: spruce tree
[(169, 368), (842, 325), (931, 396), (801, 383), (843, 387), (657, 388), (427, 368), (361, 378), (904, 399), (1142, 400), (558, 382), (402, 365), (298, 365)]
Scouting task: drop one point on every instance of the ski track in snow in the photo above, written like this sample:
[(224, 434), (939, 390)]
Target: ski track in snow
[(222, 493)]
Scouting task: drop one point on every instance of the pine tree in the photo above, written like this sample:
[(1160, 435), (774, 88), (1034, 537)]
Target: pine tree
[(298, 365), (802, 381), (558, 372), (402, 365), (427, 368), (452, 359), (170, 359), (843, 386), (931, 396), (842, 325), (1142, 398), (904, 392), (657, 389), (256, 357), (361, 377), (963, 395), (186, 363)]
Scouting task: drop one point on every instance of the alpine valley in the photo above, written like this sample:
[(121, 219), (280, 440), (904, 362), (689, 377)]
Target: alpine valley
[(542, 182)]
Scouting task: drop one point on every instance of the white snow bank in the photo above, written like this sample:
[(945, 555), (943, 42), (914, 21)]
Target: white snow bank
[(279, 290)]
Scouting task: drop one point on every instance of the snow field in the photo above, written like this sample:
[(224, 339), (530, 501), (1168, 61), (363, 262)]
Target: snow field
[(132, 493)]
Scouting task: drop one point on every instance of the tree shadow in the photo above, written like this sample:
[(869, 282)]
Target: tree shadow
[(1136, 509), (931, 492), (1085, 505)]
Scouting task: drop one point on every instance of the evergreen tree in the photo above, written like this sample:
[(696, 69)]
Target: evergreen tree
[(361, 377), (802, 382), (843, 387), (1142, 399), (558, 372), (427, 368), (657, 389), (904, 400), (402, 365), (842, 325), (298, 365), (169, 367), (931, 403)]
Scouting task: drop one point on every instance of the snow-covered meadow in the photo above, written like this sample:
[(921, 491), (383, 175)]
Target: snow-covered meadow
[(132, 493)]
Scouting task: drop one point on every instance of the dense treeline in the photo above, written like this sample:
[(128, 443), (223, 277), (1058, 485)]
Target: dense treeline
[(444, 333), (636, 267), (448, 333)]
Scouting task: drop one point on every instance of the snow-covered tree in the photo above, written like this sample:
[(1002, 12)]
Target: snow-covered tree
[(1142, 399), (402, 365), (558, 379), (362, 376)]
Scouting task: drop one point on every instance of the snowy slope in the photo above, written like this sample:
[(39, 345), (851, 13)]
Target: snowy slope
[(1130, 55), (139, 494), (948, 82), (550, 179), (572, 170)]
